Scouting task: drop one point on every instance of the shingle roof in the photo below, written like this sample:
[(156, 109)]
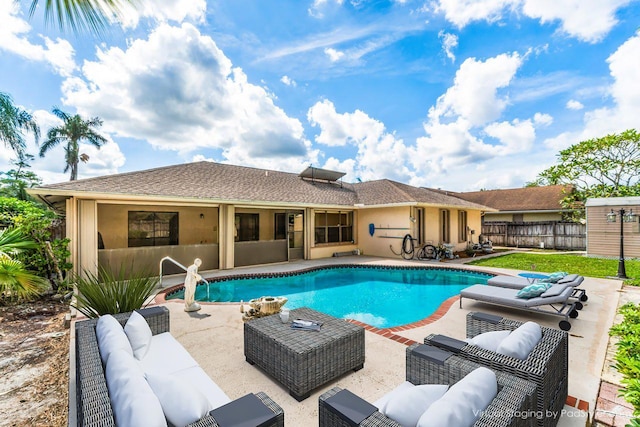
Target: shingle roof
[(521, 199), (221, 182)]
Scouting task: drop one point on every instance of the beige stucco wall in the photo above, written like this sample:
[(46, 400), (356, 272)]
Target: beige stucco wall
[(526, 217), (391, 225), (113, 223)]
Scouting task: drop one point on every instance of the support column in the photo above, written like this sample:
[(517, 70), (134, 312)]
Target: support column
[(227, 236), (87, 236)]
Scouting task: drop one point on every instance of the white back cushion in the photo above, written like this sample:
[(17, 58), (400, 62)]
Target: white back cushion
[(407, 406), (199, 379), (181, 402), (463, 404), (139, 334), (381, 403), (132, 400), (110, 336), (521, 341), (165, 347), (489, 340)]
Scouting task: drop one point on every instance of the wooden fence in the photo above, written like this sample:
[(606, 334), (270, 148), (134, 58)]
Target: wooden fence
[(544, 234)]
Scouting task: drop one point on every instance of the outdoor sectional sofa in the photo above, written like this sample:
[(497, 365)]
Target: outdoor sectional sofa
[(93, 402)]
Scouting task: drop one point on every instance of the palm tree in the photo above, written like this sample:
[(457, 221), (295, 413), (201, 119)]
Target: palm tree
[(93, 15), (16, 282), (13, 122), (72, 131)]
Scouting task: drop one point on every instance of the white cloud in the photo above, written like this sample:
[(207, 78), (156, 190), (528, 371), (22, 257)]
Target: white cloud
[(14, 30), (586, 20), (380, 154), (334, 55), (515, 137), (178, 91), (572, 104), (288, 81), (542, 119), (176, 11), (474, 95), (449, 42), (318, 7)]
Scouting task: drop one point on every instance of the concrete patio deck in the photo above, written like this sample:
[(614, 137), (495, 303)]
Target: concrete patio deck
[(214, 337)]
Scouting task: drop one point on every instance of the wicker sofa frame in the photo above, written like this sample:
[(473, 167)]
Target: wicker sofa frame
[(93, 407), (512, 406), (547, 365)]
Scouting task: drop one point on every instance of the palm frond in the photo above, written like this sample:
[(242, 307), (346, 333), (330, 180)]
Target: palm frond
[(92, 15), (13, 241), (18, 283)]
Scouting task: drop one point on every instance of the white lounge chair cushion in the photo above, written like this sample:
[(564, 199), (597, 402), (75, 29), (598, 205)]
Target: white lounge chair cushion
[(198, 378), (554, 291), (381, 403), (407, 406), (110, 336), (164, 347), (489, 340), (521, 341), (139, 334), (181, 402), (132, 399), (533, 290), (463, 404)]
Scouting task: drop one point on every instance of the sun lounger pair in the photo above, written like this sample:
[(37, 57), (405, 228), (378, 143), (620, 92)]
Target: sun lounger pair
[(519, 282), (556, 300)]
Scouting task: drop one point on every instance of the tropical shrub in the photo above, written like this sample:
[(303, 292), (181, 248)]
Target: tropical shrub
[(16, 282), (628, 356), (109, 293), (35, 221)]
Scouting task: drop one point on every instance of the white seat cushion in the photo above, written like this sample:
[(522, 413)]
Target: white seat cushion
[(139, 334), (407, 406), (181, 402), (110, 336), (489, 340), (521, 341), (132, 400), (463, 404), (198, 378), (381, 403), (166, 355)]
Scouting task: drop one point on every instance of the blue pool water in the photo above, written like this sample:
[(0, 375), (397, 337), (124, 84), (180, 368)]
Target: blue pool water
[(380, 297)]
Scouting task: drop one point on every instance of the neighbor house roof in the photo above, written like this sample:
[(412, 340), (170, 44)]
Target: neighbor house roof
[(208, 181), (544, 198)]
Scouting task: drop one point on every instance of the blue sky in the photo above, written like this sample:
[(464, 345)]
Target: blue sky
[(454, 94)]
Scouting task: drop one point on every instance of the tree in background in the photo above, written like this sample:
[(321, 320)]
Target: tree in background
[(71, 132), (17, 181), (92, 15), (601, 167), (14, 122)]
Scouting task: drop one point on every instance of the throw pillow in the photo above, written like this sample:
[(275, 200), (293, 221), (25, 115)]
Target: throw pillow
[(521, 341), (406, 407), (110, 336), (139, 334), (489, 340), (182, 404), (132, 400), (463, 404), (381, 403), (532, 291)]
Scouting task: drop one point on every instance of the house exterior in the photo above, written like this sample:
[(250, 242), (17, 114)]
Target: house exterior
[(232, 216), (603, 235), (527, 204)]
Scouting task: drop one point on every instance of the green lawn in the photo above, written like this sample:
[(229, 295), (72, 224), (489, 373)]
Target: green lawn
[(571, 263)]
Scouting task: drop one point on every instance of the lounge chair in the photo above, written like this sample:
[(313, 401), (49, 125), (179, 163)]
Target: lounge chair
[(429, 365), (519, 282), (557, 298), (547, 364)]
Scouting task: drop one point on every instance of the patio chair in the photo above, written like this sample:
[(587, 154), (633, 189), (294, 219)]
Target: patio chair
[(547, 364), (519, 282), (555, 301), (512, 406)]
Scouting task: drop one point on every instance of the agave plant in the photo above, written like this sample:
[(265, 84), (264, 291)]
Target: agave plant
[(110, 293)]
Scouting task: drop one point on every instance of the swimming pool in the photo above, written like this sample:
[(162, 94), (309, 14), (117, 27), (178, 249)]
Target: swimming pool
[(383, 297)]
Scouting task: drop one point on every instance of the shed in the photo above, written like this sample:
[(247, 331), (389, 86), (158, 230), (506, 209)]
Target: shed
[(603, 236)]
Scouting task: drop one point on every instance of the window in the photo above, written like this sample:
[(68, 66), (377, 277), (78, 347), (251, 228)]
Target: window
[(518, 217), (247, 227), (280, 229), (444, 226), (462, 226), (334, 227), (152, 228)]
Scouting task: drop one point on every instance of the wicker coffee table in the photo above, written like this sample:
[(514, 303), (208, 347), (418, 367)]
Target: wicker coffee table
[(304, 360)]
